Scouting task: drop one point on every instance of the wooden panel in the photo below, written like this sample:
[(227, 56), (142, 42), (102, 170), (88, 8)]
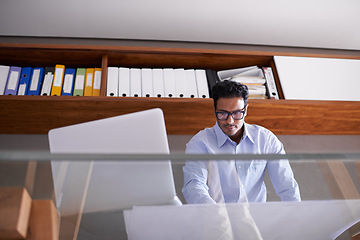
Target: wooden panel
[(44, 223), (15, 205), (49, 57), (39, 114), (186, 60)]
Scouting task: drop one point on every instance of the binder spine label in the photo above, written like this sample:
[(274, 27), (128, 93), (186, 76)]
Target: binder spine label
[(35, 80), (14, 76)]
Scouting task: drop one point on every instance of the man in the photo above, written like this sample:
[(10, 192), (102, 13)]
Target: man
[(235, 180)]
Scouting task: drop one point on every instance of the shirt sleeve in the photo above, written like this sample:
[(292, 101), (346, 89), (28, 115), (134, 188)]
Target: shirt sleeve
[(195, 188), (281, 174)]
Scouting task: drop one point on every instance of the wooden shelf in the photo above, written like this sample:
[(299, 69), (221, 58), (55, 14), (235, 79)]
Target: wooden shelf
[(39, 114)]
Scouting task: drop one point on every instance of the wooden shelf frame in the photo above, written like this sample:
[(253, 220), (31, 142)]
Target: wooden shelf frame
[(39, 114)]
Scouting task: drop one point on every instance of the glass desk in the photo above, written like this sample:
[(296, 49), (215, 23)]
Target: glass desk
[(52, 196)]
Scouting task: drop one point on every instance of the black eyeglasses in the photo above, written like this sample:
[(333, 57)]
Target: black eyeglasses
[(236, 115)]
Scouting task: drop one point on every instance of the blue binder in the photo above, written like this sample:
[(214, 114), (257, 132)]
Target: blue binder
[(68, 83), (37, 78), (13, 81), (24, 80)]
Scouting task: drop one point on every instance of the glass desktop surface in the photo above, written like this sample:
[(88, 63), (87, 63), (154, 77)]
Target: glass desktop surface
[(329, 186)]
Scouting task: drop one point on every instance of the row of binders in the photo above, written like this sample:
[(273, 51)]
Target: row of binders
[(157, 82), (132, 82), (187, 83), (54, 81)]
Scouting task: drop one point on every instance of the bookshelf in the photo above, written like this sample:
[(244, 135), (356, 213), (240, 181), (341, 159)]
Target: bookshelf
[(39, 114)]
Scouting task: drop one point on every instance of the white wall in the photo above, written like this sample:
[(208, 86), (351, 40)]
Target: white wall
[(307, 23)]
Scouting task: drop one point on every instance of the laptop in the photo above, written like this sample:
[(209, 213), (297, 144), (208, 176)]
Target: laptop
[(112, 185)]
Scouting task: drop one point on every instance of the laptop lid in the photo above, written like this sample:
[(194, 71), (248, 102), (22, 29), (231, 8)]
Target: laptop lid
[(112, 185)]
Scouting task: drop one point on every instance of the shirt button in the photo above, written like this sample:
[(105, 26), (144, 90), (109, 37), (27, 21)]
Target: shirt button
[(239, 166)]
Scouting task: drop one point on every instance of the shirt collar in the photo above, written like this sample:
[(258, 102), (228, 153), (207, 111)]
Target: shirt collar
[(222, 137)]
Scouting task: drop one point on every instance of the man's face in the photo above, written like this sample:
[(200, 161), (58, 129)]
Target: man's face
[(231, 126)]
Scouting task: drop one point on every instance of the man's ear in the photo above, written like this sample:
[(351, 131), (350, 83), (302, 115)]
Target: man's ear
[(246, 108)]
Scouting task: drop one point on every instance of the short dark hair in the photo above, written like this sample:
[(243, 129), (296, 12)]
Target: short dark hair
[(229, 89)]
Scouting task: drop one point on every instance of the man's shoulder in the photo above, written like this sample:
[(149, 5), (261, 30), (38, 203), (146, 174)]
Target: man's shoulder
[(257, 129), (204, 134)]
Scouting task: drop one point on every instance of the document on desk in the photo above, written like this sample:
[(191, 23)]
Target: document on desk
[(169, 82), (147, 82), (202, 83), (112, 86), (158, 81), (124, 82), (315, 220), (4, 72), (37, 78), (135, 82)]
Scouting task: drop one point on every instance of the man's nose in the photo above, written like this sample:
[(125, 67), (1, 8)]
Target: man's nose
[(230, 119)]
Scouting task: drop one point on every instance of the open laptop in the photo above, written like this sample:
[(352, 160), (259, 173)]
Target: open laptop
[(112, 185)]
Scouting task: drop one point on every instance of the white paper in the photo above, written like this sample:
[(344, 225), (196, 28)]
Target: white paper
[(315, 220), (249, 71)]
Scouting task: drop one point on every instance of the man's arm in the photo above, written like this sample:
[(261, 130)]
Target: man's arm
[(195, 188), (281, 174), (283, 180)]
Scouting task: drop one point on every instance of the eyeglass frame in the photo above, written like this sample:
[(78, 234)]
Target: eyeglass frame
[(230, 113)]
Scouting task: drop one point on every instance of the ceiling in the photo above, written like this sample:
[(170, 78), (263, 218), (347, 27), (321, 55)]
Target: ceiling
[(330, 24)]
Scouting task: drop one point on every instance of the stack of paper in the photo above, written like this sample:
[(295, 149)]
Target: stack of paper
[(253, 77)]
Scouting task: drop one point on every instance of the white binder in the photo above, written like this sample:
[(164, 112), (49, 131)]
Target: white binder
[(112, 82), (180, 83), (158, 82), (124, 82), (4, 72), (190, 83), (48, 80), (135, 82), (270, 83), (202, 83), (147, 82), (169, 82)]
